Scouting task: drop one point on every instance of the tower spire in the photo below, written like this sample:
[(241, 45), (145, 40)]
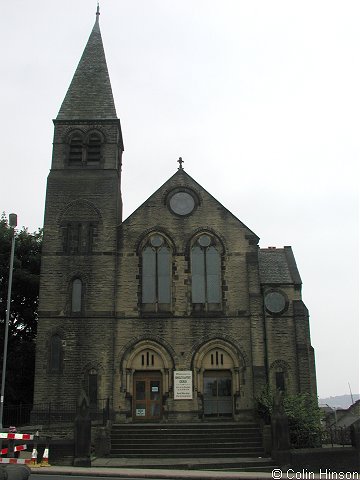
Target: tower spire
[(90, 95)]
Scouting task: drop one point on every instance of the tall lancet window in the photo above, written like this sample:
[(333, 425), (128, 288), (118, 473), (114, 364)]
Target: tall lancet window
[(205, 274), (55, 354), (156, 274), (76, 296), (93, 387)]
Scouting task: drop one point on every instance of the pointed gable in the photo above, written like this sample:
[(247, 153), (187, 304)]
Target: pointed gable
[(207, 210), (90, 95)]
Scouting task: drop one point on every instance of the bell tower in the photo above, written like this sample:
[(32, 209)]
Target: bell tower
[(82, 212)]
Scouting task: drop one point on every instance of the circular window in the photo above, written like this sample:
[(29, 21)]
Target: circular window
[(204, 240), (182, 203), (275, 302), (156, 241)]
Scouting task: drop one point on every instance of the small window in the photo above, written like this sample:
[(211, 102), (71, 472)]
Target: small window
[(76, 297), (93, 149), (76, 149), (280, 381), (55, 353)]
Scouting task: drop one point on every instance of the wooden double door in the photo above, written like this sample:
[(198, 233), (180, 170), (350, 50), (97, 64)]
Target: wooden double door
[(147, 405)]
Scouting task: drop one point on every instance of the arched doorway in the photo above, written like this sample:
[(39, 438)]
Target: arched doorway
[(217, 365), (148, 367)]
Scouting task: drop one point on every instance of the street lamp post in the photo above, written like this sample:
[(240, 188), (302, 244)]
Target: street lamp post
[(12, 224)]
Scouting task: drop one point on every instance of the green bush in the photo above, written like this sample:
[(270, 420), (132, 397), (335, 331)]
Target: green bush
[(304, 417)]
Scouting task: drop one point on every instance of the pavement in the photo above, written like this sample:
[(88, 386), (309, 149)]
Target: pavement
[(147, 473), (130, 468)]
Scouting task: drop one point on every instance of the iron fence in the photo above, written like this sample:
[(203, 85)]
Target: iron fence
[(336, 436), (51, 413), (325, 436)]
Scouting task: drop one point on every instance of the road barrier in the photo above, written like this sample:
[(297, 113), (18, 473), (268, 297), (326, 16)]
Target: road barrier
[(17, 436), (17, 448), (16, 461), (11, 437)]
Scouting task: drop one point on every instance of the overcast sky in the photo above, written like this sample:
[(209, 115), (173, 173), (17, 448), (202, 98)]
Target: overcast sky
[(260, 98)]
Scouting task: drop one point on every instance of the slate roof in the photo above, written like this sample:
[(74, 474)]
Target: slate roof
[(277, 265), (90, 95)]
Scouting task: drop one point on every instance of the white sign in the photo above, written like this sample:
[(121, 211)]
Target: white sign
[(183, 385), (140, 412)]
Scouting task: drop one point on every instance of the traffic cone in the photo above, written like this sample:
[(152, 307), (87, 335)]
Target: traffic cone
[(34, 455), (45, 459)]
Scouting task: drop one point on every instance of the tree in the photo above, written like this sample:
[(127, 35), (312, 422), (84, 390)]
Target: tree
[(23, 310)]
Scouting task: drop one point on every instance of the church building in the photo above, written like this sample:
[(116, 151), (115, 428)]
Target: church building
[(174, 313)]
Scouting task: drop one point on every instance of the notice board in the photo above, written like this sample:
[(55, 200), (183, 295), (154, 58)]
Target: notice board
[(183, 385)]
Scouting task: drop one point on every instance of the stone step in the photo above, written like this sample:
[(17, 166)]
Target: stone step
[(194, 444), (185, 437), (191, 454), (192, 440), (182, 426)]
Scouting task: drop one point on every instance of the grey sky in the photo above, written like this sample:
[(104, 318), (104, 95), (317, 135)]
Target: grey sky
[(261, 99)]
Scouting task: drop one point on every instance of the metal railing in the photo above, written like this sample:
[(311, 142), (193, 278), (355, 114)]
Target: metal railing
[(51, 413), (336, 436), (325, 436)]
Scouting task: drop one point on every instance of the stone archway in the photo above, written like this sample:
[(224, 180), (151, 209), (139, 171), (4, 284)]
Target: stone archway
[(146, 371), (219, 371)]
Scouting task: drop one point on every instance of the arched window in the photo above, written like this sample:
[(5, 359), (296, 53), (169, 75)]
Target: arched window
[(93, 149), (156, 277), (205, 273), (76, 296), (55, 354), (76, 149), (93, 387)]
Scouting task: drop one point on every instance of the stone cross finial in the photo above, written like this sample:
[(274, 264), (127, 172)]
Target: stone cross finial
[(180, 162), (98, 9)]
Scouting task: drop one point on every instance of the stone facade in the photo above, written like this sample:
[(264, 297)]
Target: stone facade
[(180, 285)]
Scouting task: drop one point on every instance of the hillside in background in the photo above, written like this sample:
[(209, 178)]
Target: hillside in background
[(340, 401)]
